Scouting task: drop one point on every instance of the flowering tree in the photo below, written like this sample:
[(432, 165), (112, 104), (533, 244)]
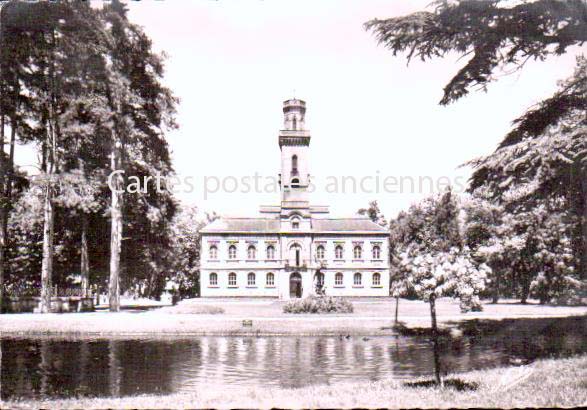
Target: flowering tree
[(434, 261)]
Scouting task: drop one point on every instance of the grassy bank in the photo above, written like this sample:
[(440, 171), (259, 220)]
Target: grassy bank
[(545, 383), (225, 317)]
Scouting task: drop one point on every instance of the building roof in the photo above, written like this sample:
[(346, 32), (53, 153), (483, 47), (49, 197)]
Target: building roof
[(243, 225), (346, 225), (272, 225)]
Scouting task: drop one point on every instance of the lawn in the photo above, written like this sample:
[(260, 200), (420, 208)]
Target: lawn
[(545, 383), (225, 317)]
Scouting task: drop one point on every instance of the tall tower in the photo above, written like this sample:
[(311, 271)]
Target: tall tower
[(294, 142)]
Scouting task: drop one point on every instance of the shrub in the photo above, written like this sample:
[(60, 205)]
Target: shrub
[(318, 304)]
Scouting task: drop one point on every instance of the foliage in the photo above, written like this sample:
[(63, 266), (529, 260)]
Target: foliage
[(374, 213), (433, 261), (184, 251), (495, 34), (318, 304)]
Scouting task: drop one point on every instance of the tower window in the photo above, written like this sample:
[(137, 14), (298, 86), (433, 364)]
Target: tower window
[(295, 183), (295, 223), (294, 164), (295, 123)]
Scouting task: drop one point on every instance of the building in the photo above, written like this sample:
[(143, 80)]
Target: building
[(294, 249)]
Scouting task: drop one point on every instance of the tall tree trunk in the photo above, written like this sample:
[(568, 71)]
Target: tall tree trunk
[(496, 285), (435, 340), (396, 308), (115, 235), (47, 264), (3, 238), (85, 262), (7, 175), (583, 218)]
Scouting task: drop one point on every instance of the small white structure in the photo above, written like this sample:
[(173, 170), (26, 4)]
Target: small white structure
[(294, 249)]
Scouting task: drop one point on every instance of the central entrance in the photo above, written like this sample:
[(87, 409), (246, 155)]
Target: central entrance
[(295, 285)]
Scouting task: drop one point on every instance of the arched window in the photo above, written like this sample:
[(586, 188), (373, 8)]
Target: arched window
[(296, 253), (270, 279), (294, 164), (338, 252), (213, 279), (270, 252), (376, 279), (338, 279), (213, 252), (295, 123), (357, 279), (232, 252), (376, 252), (251, 252), (295, 183), (295, 223), (320, 252), (232, 279), (251, 279), (358, 252)]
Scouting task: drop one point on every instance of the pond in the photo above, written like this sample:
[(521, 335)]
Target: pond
[(59, 367)]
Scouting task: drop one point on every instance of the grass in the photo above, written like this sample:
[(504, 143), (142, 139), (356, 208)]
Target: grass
[(193, 310), (202, 317), (545, 383)]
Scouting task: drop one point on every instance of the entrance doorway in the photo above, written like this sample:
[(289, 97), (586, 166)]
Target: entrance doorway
[(295, 285)]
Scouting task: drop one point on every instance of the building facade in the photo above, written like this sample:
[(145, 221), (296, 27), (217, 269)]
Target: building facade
[(294, 249)]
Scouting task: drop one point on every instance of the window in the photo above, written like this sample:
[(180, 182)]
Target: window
[(295, 223), (296, 253), (376, 252), (270, 279), (295, 183), (376, 279), (294, 164), (251, 279), (338, 279), (320, 252), (357, 279), (320, 279), (213, 252), (358, 252), (232, 279), (338, 251), (213, 279), (270, 252), (232, 252), (251, 252)]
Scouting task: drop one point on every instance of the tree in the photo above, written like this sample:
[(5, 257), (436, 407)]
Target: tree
[(435, 262), (499, 35), (140, 109), (374, 213), (184, 252)]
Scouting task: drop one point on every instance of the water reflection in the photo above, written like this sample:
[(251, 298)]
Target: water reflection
[(45, 367)]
